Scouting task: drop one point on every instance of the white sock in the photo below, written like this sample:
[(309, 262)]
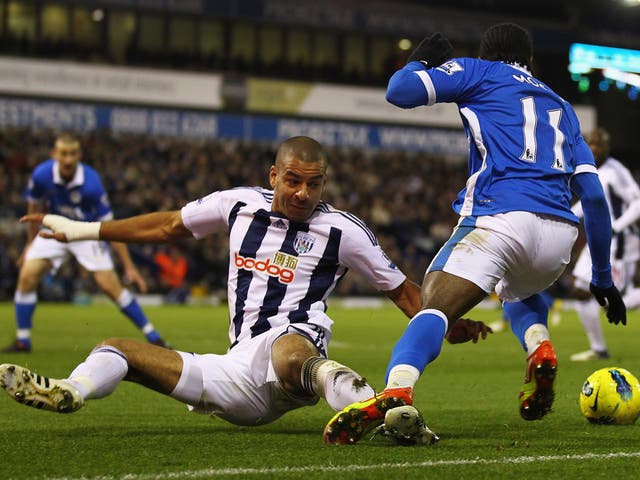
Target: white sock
[(632, 298), (100, 373), (589, 314), (534, 336), (403, 375), (337, 384), (125, 298)]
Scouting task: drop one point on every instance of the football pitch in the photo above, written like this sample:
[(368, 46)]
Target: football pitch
[(468, 396)]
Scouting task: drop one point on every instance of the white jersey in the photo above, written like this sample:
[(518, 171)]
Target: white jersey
[(281, 271), (623, 197)]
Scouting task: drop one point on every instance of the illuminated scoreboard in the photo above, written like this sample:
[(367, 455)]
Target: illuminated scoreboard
[(617, 66)]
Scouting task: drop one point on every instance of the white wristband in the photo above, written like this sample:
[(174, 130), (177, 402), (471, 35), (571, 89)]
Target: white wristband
[(72, 229)]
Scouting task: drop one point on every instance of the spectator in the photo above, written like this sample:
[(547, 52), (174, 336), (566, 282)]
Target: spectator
[(172, 273)]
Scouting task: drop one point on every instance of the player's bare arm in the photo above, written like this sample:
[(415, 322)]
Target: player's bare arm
[(157, 227), (407, 298), (131, 272)]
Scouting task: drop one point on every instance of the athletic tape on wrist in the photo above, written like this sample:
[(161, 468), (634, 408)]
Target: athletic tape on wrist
[(72, 229)]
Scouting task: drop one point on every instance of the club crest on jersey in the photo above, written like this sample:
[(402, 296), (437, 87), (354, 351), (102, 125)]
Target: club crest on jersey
[(303, 242), (75, 196), (450, 67)]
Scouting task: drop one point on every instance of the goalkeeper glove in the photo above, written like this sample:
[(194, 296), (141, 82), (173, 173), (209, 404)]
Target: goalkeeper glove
[(432, 51), (611, 300)]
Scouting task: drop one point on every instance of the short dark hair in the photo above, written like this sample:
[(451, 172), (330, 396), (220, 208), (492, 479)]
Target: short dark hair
[(507, 42), (67, 137), (306, 149)]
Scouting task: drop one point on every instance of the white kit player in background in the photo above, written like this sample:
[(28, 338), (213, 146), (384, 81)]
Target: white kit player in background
[(287, 251), (623, 197), (64, 185)]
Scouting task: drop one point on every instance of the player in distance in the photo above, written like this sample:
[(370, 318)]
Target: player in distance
[(64, 185), (516, 228), (623, 199), (287, 251)]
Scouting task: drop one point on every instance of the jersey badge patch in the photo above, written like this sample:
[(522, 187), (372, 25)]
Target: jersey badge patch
[(303, 242), (450, 67), (75, 196)]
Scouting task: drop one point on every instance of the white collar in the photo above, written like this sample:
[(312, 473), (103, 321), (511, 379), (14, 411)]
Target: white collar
[(517, 66), (76, 181)]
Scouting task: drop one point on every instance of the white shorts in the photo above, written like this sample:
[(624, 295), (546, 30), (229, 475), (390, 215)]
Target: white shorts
[(94, 255), (621, 271), (241, 386), (516, 253)]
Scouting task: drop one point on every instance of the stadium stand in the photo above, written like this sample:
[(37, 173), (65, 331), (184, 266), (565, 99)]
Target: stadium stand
[(404, 195), (410, 212)]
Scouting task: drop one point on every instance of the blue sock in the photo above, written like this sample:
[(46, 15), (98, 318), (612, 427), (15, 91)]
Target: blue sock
[(130, 307), (25, 305), (421, 341), (525, 313)]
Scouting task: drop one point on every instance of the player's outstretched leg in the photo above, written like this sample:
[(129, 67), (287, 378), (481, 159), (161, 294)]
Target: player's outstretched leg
[(36, 391), (353, 422), (536, 397)]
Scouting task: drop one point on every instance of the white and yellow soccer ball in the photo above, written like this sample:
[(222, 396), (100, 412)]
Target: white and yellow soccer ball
[(611, 396), (405, 426)]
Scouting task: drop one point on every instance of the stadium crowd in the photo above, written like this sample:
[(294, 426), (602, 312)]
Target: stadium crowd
[(405, 197)]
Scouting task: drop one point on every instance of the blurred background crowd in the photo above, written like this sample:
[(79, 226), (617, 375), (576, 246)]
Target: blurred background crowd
[(404, 197)]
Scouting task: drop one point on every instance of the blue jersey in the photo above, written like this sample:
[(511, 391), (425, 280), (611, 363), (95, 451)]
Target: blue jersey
[(83, 198), (524, 140)]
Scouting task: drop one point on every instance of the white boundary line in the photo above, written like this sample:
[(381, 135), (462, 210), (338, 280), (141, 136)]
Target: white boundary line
[(213, 472)]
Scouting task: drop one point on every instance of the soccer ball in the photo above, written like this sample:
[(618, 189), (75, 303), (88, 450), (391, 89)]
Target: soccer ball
[(406, 426), (611, 396)]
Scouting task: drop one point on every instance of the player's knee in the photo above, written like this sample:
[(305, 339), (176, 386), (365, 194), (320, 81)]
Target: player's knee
[(27, 282), (287, 364)]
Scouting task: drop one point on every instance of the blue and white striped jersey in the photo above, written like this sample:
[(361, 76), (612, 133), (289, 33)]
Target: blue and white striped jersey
[(281, 271), (83, 198), (525, 140)]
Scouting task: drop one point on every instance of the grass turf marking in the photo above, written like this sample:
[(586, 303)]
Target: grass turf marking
[(211, 472)]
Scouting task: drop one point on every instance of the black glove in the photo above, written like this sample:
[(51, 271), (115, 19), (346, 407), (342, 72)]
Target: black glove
[(433, 51), (611, 300)]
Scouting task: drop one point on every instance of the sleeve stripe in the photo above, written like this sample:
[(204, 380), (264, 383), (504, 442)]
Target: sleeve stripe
[(323, 207), (428, 85), (360, 224), (585, 168)]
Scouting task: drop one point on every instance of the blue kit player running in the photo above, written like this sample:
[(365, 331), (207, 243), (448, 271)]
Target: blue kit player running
[(516, 228), (65, 186)]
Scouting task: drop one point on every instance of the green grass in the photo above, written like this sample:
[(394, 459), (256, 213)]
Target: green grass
[(468, 396)]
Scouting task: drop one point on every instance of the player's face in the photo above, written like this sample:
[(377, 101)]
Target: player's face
[(297, 187), (68, 156)]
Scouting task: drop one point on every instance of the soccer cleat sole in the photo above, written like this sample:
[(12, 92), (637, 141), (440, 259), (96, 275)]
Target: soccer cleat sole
[(36, 391), (349, 426), (539, 403)]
